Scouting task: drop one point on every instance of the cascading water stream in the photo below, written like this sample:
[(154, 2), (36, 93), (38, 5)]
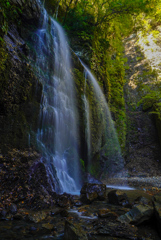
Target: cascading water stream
[(87, 125), (111, 144), (57, 136), (87, 129)]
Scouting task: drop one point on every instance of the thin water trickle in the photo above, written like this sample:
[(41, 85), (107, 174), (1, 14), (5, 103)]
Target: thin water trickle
[(111, 144), (120, 187), (80, 215), (87, 125), (29, 140), (57, 136)]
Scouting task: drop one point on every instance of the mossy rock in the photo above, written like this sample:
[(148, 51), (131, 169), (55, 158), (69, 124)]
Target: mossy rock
[(19, 102)]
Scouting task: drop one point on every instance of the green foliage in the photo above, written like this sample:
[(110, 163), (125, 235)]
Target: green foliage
[(3, 67), (139, 58), (3, 59), (82, 164), (157, 109), (151, 100), (95, 168), (109, 66), (78, 25), (151, 91), (4, 70), (8, 12)]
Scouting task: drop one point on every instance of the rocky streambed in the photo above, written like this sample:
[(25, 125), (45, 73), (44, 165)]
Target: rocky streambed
[(97, 213)]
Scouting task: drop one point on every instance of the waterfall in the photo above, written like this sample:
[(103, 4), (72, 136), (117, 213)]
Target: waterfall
[(111, 145), (57, 135)]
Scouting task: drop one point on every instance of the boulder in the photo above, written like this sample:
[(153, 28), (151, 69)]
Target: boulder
[(74, 231), (140, 212), (105, 229), (157, 210), (118, 197), (91, 192)]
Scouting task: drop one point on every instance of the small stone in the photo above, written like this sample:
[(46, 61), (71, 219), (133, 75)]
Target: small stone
[(48, 226), (157, 198), (63, 201), (17, 217), (4, 213), (64, 213), (77, 203), (33, 229), (13, 208), (104, 213), (37, 216), (91, 192)]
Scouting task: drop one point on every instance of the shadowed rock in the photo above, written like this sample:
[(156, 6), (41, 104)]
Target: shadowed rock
[(74, 232), (157, 210), (106, 213), (141, 212), (91, 192), (118, 197)]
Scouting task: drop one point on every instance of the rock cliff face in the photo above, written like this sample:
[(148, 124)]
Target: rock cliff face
[(20, 88), (31, 9), (20, 96), (143, 149)]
